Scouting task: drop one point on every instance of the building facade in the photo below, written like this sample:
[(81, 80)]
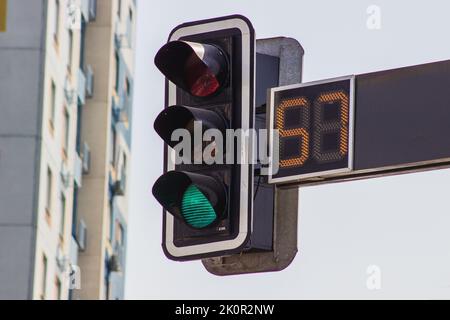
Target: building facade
[(66, 86)]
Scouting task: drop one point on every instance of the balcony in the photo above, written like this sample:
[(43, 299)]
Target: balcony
[(117, 259), (69, 92), (73, 256), (86, 158), (78, 170), (92, 10), (89, 9), (120, 108), (65, 176), (129, 34), (89, 82), (81, 89), (123, 38), (81, 235), (126, 105), (116, 280), (116, 108), (111, 186), (84, 6), (117, 35), (119, 187)]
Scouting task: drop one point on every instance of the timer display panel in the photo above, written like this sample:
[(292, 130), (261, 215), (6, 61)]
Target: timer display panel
[(314, 122)]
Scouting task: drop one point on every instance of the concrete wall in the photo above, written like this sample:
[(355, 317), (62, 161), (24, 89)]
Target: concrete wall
[(93, 197), (94, 206), (21, 75), (58, 70)]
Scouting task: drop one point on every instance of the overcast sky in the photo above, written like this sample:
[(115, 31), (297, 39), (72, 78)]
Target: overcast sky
[(400, 224)]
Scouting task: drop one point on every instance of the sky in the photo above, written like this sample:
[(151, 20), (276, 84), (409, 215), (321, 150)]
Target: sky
[(394, 228)]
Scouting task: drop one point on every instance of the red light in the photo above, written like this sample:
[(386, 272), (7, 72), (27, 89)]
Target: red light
[(205, 85), (201, 80)]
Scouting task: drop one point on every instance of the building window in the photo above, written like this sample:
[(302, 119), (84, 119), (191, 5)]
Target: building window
[(123, 171), (128, 86), (82, 43), (107, 277), (56, 21), (130, 28), (117, 84), (75, 211), (58, 289), (119, 232), (110, 222), (48, 204), (70, 51), (79, 124), (119, 8), (112, 147), (66, 124), (62, 220), (52, 105), (124, 166), (44, 277)]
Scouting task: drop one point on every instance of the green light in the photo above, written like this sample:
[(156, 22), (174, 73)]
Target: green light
[(196, 209)]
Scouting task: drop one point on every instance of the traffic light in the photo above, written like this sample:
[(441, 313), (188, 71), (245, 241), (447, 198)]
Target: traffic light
[(207, 207)]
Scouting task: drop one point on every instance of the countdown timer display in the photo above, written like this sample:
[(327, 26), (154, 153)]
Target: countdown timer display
[(314, 122)]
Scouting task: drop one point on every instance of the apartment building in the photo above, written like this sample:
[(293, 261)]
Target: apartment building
[(66, 86)]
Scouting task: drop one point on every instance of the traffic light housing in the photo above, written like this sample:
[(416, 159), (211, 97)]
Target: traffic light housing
[(207, 208)]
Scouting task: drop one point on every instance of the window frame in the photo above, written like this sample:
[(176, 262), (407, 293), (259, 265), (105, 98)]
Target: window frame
[(52, 105), (62, 221), (66, 132), (70, 51), (56, 21), (49, 192), (44, 262)]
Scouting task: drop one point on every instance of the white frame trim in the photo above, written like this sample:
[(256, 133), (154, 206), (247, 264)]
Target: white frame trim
[(319, 174)]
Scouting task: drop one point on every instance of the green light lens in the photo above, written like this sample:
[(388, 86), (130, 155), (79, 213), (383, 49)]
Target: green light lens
[(196, 208)]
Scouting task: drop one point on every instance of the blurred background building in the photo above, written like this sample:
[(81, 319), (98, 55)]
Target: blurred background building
[(66, 87)]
